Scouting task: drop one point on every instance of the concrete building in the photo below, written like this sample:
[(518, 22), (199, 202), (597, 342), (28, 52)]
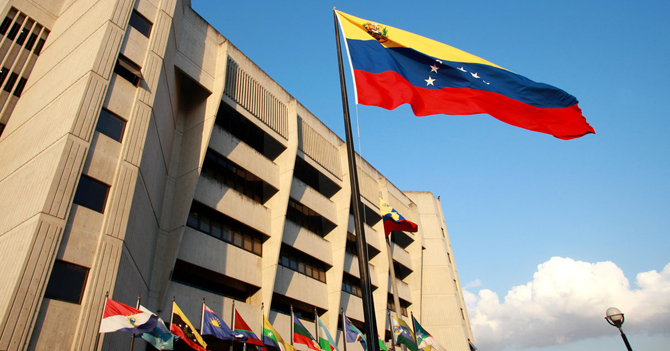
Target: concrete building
[(141, 153)]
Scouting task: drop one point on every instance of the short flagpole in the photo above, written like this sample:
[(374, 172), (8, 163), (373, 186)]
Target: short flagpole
[(132, 336), (104, 305), (316, 325), (202, 315), (394, 282), (416, 340), (292, 324), (361, 243), (388, 314), (232, 323), (262, 321), (344, 331)]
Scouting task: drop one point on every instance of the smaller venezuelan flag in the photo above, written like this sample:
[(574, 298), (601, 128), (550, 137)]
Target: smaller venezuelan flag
[(392, 67), (394, 221)]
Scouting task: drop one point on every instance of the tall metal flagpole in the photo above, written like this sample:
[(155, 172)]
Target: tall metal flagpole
[(361, 243), (344, 331), (394, 281)]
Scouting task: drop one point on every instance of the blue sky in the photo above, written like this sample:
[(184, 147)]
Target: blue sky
[(515, 199)]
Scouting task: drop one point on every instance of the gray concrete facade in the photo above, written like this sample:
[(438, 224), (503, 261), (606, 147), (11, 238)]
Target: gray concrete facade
[(219, 185)]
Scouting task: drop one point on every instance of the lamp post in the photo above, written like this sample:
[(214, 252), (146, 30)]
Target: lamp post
[(614, 317)]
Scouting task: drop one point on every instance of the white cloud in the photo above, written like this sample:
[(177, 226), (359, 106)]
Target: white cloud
[(565, 302)]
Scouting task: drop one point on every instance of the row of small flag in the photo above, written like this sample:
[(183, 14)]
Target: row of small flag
[(119, 317)]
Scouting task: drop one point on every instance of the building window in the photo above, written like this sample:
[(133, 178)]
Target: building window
[(304, 217), (235, 177), (3, 74), (38, 47), (67, 282), (2, 127), (31, 41), (222, 227), (14, 31), (390, 305), (463, 314), (11, 81), (455, 285), (351, 285), (5, 25), (449, 257), (127, 70), (111, 125), (91, 193), (141, 23), (19, 87), (204, 279), (301, 263)]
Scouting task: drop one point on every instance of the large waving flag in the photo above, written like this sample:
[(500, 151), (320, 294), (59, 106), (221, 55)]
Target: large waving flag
[(326, 341), (244, 329), (212, 324), (424, 339), (272, 338), (302, 336), (394, 221), (160, 337), (183, 328), (402, 334), (121, 317), (392, 67)]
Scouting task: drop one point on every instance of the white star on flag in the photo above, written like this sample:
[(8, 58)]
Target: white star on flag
[(430, 81), (434, 68), (475, 75)]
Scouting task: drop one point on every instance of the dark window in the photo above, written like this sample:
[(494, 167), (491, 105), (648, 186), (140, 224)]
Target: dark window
[(22, 37), (11, 81), (226, 172), (2, 127), (38, 47), (141, 23), (31, 41), (14, 31), (67, 282), (3, 74), (111, 125), (128, 70), (220, 226), (19, 87), (302, 263), (352, 285), (91, 193), (5, 25), (390, 305)]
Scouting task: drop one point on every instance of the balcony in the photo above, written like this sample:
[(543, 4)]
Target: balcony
[(304, 240), (401, 256), (352, 305), (403, 290), (244, 155), (351, 267), (313, 199), (208, 252), (233, 204), (301, 287)]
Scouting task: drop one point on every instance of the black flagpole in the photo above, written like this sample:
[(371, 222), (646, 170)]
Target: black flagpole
[(361, 243)]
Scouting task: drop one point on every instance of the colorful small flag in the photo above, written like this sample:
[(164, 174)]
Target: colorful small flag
[(160, 337), (244, 329), (326, 341), (121, 317), (394, 221), (272, 338), (183, 328), (392, 67), (424, 339), (402, 334), (302, 336), (212, 324), (353, 334)]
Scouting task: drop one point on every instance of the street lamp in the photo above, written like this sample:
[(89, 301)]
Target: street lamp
[(615, 317)]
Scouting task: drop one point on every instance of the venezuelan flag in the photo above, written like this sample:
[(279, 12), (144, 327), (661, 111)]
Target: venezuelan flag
[(394, 220), (392, 67)]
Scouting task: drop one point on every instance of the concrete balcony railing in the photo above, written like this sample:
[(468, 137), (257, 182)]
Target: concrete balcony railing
[(351, 266), (313, 199), (218, 256), (403, 290), (401, 256), (230, 202), (307, 242), (301, 287), (352, 305), (245, 156)]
